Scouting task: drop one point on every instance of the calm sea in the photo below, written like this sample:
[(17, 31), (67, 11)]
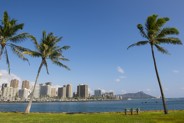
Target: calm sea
[(95, 106)]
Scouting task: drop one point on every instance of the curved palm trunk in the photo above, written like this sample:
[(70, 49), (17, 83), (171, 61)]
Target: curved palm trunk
[(1, 51), (159, 82), (32, 93)]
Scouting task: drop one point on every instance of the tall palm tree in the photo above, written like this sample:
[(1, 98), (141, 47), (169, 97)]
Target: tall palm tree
[(155, 34), (47, 49), (9, 36)]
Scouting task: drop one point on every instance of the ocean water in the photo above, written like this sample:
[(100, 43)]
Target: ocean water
[(95, 106)]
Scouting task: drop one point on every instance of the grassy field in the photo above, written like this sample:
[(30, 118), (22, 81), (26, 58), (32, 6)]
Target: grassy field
[(143, 117)]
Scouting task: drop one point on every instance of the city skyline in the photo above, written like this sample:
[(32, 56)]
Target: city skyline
[(47, 92), (99, 33), (25, 84)]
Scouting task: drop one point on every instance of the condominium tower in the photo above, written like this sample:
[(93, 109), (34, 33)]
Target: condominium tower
[(14, 83), (69, 91), (82, 91), (25, 84)]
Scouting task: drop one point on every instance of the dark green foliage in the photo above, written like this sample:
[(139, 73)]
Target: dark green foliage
[(155, 34)]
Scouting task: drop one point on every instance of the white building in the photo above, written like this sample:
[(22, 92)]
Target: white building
[(10, 93), (37, 92), (23, 93)]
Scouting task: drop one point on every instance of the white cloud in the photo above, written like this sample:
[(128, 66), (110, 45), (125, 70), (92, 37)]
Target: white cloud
[(176, 71), (120, 70), (118, 80), (5, 77)]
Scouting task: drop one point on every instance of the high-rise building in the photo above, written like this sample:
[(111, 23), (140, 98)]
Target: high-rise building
[(59, 92), (4, 85), (14, 83), (25, 84), (108, 95), (97, 93), (82, 91), (10, 93), (23, 93), (53, 92), (62, 92), (69, 91), (45, 90), (37, 91)]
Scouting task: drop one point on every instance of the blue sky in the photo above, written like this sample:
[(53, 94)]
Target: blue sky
[(99, 32)]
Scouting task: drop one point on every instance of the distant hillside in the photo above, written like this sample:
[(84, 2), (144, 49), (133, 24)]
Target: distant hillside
[(138, 95)]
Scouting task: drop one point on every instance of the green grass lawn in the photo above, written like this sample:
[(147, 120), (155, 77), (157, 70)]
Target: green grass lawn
[(143, 117)]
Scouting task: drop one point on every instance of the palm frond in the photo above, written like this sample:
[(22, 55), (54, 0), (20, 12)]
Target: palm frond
[(34, 41), (64, 59), (19, 38), (150, 22), (160, 22), (58, 39), (22, 49), (5, 17), (140, 27), (65, 47), (170, 40), (18, 27), (161, 49), (167, 31), (60, 64), (7, 60), (18, 51), (32, 53), (138, 44)]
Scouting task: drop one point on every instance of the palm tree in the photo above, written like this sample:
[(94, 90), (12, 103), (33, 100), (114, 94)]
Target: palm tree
[(9, 36), (46, 49), (155, 34)]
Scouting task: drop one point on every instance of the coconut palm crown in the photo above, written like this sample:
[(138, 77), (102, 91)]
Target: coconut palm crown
[(155, 35), (47, 49), (9, 37)]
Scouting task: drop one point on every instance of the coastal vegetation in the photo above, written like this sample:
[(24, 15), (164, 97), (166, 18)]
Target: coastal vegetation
[(118, 117), (155, 34)]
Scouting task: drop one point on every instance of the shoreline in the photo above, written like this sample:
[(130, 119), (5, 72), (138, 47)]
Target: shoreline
[(82, 100)]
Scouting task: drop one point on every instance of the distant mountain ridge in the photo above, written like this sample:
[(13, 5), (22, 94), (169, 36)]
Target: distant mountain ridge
[(138, 95)]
